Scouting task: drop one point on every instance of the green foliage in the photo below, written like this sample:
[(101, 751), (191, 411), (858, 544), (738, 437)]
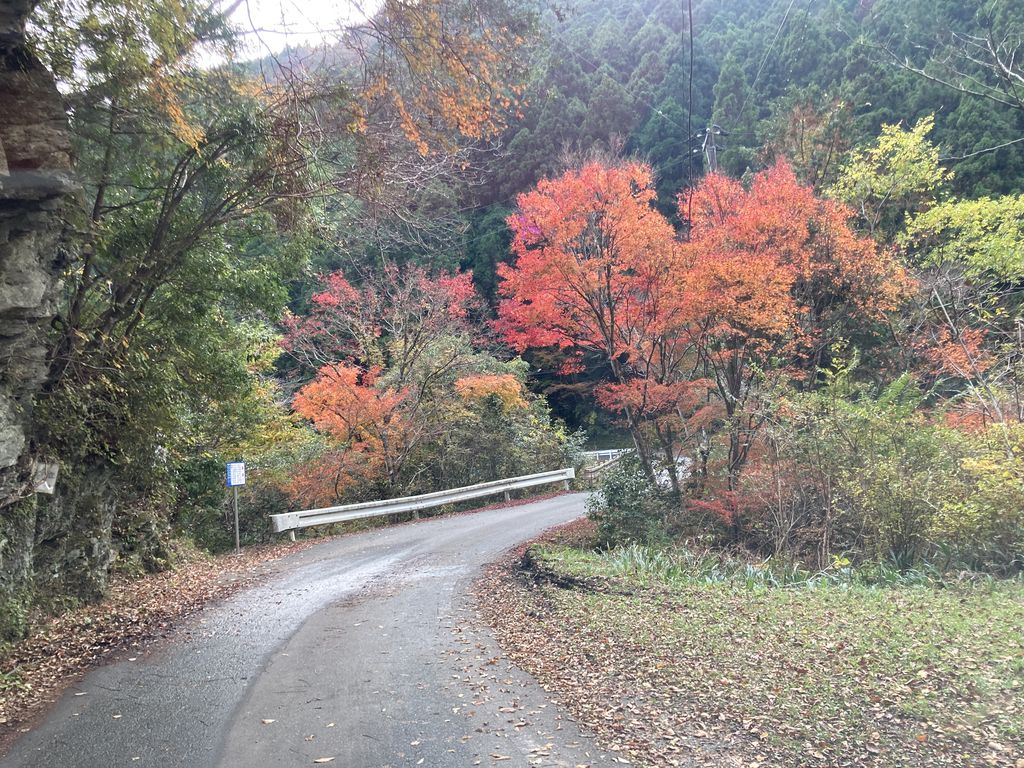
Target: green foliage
[(878, 479), (891, 472), (735, 112), (493, 435), (627, 507), (897, 174), (981, 519), (812, 131), (666, 148), (984, 237), (14, 614), (487, 440), (109, 43), (624, 70), (687, 564), (487, 245), (193, 225)]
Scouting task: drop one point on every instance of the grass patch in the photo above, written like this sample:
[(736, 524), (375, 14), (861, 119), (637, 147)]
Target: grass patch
[(699, 659)]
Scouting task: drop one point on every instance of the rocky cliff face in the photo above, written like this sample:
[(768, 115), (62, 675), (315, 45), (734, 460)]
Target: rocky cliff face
[(35, 182), (35, 164)]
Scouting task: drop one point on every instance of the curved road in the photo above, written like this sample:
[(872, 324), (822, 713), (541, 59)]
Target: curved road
[(363, 649)]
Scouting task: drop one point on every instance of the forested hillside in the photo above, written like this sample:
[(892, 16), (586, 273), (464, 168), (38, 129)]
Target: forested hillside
[(325, 262), (770, 74), (807, 81)]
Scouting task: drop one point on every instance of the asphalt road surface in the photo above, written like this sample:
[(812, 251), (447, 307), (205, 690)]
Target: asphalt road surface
[(364, 649)]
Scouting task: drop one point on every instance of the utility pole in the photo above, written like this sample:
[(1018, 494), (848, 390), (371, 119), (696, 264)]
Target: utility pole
[(689, 121), (710, 145)]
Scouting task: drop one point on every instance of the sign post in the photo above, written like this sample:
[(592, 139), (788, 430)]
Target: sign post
[(235, 476)]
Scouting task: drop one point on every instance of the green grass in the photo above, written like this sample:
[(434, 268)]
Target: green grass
[(645, 565), (832, 668)]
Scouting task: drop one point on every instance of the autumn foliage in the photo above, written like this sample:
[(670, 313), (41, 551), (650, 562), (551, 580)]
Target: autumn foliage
[(779, 268), (391, 319), (343, 402), (444, 69), (597, 271), (365, 420), (781, 278), (378, 350), (504, 386), (403, 398), (593, 264), (770, 280)]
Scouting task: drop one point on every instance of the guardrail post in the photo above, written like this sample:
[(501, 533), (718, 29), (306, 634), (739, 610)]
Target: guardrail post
[(565, 485), (508, 496)]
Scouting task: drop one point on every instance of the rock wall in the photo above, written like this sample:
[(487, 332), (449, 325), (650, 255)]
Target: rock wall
[(35, 165), (35, 183)]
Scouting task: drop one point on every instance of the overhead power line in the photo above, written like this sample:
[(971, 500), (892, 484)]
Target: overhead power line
[(985, 151), (764, 60), (689, 124)]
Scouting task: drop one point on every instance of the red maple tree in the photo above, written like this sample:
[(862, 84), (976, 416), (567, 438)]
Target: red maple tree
[(391, 320), (770, 282)]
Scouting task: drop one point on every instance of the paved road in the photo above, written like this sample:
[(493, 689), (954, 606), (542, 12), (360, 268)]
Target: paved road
[(364, 649)]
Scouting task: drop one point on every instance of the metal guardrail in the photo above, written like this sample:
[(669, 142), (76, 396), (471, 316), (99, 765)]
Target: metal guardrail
[(326, 515), (601, 457), (593, 471)]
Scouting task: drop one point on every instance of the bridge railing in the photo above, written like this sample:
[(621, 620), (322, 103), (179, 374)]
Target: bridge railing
[(604, 456), (326, 515), (591, 472)]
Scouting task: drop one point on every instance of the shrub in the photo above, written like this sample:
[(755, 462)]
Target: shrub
[(983, 525), (880, 479), (627, 508)]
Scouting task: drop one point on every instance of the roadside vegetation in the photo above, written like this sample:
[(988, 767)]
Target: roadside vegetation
[(686, 656), (774, 249)]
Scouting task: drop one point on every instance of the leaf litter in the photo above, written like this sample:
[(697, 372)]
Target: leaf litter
[(697, 675)]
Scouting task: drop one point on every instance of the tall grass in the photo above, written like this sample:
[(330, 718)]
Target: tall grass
[(678, 566)]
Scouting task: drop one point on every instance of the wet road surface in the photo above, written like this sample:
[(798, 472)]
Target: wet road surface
[(364, 649)]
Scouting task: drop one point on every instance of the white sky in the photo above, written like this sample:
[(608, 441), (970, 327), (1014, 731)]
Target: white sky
[(268, 26)]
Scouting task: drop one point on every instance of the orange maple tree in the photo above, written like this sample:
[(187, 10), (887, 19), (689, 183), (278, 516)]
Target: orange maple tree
[(344, 402), (782, 279), (596, 272)]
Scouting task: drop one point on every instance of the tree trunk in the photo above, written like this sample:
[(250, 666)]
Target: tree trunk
[(667, 441)]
